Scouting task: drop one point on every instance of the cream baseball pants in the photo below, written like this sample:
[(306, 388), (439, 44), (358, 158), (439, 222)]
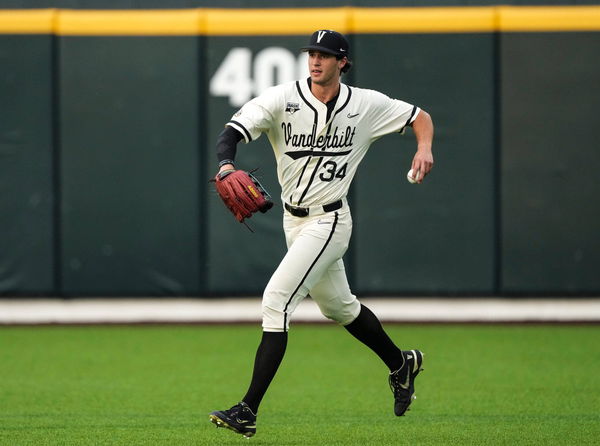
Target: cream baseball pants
[(312, 266)]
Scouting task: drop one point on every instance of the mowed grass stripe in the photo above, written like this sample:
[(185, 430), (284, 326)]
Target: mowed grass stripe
[(156, 385)]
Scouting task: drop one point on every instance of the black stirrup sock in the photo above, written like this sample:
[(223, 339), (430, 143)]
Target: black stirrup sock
[(368, 330), (268, 357)]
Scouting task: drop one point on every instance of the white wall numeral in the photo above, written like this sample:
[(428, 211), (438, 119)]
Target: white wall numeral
[(232, 78), (239, 78)]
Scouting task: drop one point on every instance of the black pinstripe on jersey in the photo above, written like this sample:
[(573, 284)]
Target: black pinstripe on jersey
[(345, 103), (310, 182), (315, 123), (330, 109)]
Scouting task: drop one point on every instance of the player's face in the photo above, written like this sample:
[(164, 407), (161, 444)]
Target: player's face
[(324, 68)]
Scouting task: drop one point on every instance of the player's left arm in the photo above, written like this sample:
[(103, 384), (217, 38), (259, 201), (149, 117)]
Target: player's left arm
[(227, 148), (423, 159)]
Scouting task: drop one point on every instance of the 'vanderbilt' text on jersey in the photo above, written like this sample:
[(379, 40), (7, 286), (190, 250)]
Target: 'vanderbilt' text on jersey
[(318, 154)]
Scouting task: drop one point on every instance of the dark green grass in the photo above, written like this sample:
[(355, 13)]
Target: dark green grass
[(156, 386)]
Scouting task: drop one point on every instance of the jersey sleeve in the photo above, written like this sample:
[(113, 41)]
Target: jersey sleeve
[(256, 116), (390, 115)]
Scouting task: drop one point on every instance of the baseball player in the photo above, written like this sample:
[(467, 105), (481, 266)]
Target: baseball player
[(320, 130)]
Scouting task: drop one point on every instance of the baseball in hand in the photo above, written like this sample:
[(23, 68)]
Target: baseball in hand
[(413, 177)]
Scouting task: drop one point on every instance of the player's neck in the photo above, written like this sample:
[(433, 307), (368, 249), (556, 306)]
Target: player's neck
[(325, 93)]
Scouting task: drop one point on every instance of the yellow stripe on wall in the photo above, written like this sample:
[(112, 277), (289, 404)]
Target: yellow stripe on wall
[(423, 20), (27, 21), (301, 21), (130, 22), (231, 22), (556, 18)]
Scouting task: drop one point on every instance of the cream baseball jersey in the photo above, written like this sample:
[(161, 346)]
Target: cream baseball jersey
[(318, 148)]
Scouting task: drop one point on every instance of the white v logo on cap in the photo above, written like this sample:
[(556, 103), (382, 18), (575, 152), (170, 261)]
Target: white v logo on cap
[(320, 36)]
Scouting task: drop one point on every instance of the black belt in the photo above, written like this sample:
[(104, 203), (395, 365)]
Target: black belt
[(303, 212)]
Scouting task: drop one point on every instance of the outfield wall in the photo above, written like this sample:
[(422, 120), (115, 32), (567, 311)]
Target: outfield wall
[(108, 121)]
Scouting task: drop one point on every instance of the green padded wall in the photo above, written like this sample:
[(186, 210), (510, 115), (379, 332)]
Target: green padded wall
[(26, 165), (550, 158), (437, 237), (107, 146), (130, 157)]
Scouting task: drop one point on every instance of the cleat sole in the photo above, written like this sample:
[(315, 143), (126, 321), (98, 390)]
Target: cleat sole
[(220, 423)]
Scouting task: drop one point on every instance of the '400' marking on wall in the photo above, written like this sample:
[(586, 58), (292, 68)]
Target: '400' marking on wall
[(240, 77)]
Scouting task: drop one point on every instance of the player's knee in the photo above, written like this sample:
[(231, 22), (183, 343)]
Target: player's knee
[(273, 319), (278, 306), (343, 314)]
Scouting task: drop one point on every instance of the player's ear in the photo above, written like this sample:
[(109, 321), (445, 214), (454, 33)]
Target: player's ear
[(346, 67)]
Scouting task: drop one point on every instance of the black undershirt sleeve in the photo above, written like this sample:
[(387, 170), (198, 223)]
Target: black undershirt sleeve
[(227, 145)]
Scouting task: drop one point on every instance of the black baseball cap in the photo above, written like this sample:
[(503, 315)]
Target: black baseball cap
[(330, 42)]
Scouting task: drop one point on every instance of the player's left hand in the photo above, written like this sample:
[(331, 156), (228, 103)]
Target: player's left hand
[(242, 193)]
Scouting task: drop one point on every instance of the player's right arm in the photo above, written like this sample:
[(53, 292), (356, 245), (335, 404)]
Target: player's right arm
[(393, 115), (423, 159)]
